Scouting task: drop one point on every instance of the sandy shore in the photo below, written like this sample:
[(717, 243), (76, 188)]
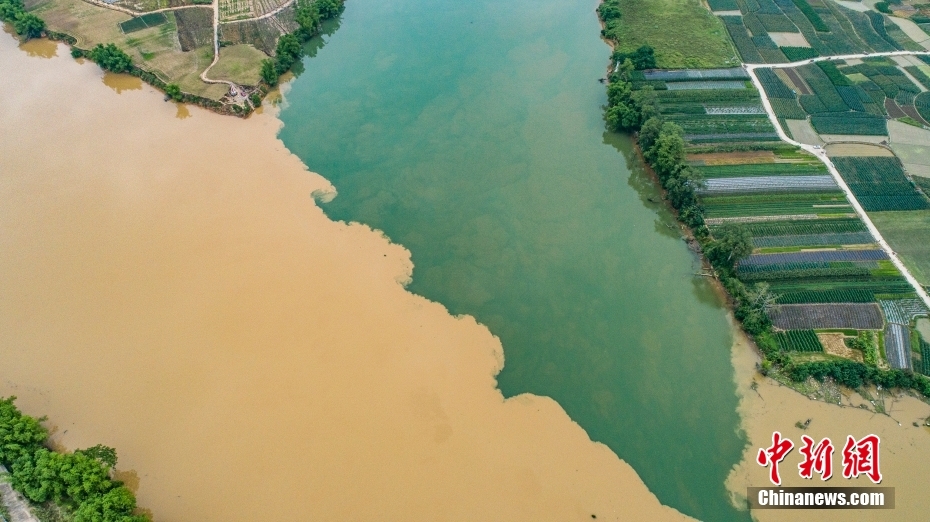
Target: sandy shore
[(905, 449), (171, 289)]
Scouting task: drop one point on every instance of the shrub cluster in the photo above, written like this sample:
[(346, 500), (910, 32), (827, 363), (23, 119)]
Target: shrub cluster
[(308, 15), (111, 58), (25, 24), (78, 481)]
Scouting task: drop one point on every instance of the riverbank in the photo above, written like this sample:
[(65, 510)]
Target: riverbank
[(193, 274), (767, 406), (196, 52)]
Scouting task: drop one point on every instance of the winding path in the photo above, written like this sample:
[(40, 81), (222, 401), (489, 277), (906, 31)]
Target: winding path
[(821, 154), (216, 26)]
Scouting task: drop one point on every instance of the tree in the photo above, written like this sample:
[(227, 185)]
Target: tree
[(20, 435), (648, 135), (287, 52), (328, 8), (256, 100), (104, 454), (609, 10), (307, 17), (668, 150), (10, 10), (111, 58), (174, 91), (29, 25), (269, 73), (731, 243), (116, 505), (642, 58)]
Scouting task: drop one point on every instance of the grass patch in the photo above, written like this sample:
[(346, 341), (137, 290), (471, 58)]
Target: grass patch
[(240, 64), (698, 40), (908, 233)]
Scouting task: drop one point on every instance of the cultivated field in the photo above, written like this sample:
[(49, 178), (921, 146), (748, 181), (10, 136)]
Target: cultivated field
[(908, 233), (698, 38), (858, 316)]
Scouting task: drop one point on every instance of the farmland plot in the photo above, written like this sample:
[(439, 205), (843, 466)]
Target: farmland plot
[(880, 183), (733, 73), (768, 184), (817, 256), (851, 238), (838, 291), (816, 226), (798, 341), (859, 316), (902, 311), (897, 346), (762, 169)]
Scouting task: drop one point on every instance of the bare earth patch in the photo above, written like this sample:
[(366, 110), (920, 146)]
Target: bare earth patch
[(857, 149), (789, 39), (833, 138), (834, 344), (802, 131)]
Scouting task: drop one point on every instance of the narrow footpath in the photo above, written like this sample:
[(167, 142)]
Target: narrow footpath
[(14, 502), (821, 154)]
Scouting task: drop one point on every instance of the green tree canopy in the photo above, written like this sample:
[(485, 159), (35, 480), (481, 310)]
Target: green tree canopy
[(174, 92), (111, 58), (29, 25), (731, 243)]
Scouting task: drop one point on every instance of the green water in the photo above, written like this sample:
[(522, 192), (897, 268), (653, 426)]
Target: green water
[(471, 133)]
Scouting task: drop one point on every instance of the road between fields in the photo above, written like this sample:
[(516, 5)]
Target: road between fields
[(821, 154), (216, 26)]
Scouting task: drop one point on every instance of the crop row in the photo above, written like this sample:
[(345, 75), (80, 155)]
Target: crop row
[(898, 346), (924, 367), (804, 273), (733, 73), (774, 209), (847, 124), (707, 85), (806, 226), (818, 256), (902, 311), (879, 183), (859, 316), (788, 109), (839, 290), (768, 184), (849, 238), (761, 169), (798, 341), (707, 96)]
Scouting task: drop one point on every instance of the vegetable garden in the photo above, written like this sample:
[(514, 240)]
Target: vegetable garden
[(798, 341), (860, 316), (879, 183)]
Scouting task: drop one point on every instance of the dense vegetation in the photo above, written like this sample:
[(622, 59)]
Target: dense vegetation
[(111, 58), (25, 24), (632, 107), (79, 481), (308, 15)]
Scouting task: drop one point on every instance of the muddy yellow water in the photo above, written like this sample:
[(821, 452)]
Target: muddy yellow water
[(905, 449), (170, 288)]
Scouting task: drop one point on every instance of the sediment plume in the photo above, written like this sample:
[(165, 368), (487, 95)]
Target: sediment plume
[(171, 289)]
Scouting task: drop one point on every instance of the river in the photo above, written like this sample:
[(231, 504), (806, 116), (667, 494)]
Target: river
[(471, 134)]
